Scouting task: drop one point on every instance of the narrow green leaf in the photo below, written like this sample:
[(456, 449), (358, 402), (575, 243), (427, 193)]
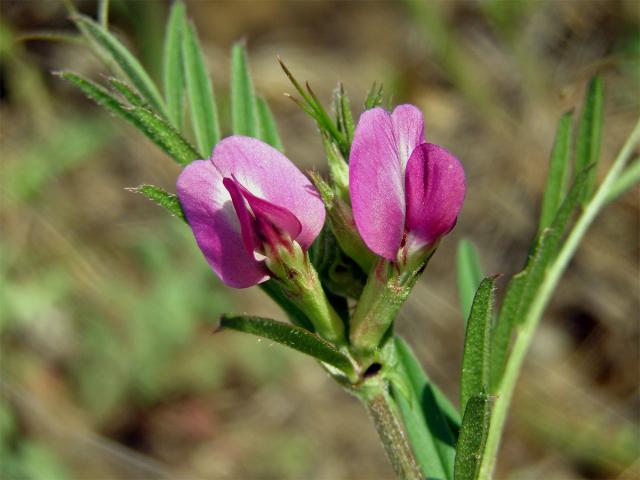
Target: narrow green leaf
[(70, 6), (428, 416), (175, 145), (549, 242), (244, 114), (627, 179), (291, 336), (469, 275), (127, 92), (295, 315), (473, 437), (166, 200), (477, 343), (104, 98), (502, 331), (154, 127), (88, 39), (421, 382), (50, 36), (558, 172), (172, 64), (103, 13), (100, 95), (124, 59), (267, 125), (590, 134), (523, 286), (204, 113)]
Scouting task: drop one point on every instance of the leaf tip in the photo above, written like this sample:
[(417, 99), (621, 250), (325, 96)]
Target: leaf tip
[(240, 43), (286, 69)]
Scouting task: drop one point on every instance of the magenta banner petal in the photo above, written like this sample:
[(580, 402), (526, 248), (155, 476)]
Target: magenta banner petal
[(401, 187), (212, 217), (376, 184), (269, 175), (435, 190), (382, 145), (408, 130)]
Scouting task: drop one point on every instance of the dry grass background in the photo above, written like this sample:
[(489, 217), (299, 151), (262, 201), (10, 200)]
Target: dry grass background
[(108, 366)]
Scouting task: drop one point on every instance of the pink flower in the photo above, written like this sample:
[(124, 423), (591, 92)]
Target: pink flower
[(245, 202), (406, 193)]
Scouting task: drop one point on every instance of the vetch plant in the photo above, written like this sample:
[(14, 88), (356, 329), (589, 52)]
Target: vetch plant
[(340, 256)]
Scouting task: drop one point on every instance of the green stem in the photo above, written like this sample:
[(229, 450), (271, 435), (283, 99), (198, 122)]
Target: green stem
[(625, 181), (524, 335), (103, 14), (384, 414), (383, 295)]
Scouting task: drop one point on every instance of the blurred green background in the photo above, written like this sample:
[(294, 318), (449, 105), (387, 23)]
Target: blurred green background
[(109, 368)]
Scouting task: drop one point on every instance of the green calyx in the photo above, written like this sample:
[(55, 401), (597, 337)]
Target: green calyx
[(293, 271), (387, 288), (338, 169)]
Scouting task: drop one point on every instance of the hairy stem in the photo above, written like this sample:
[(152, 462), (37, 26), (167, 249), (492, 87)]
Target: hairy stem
[(383, 295), (385, 416), (525, 334)]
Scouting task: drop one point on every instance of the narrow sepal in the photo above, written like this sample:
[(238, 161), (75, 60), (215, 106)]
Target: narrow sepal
[(344, 117), (375, 96), (312, 106), (338, 168)]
